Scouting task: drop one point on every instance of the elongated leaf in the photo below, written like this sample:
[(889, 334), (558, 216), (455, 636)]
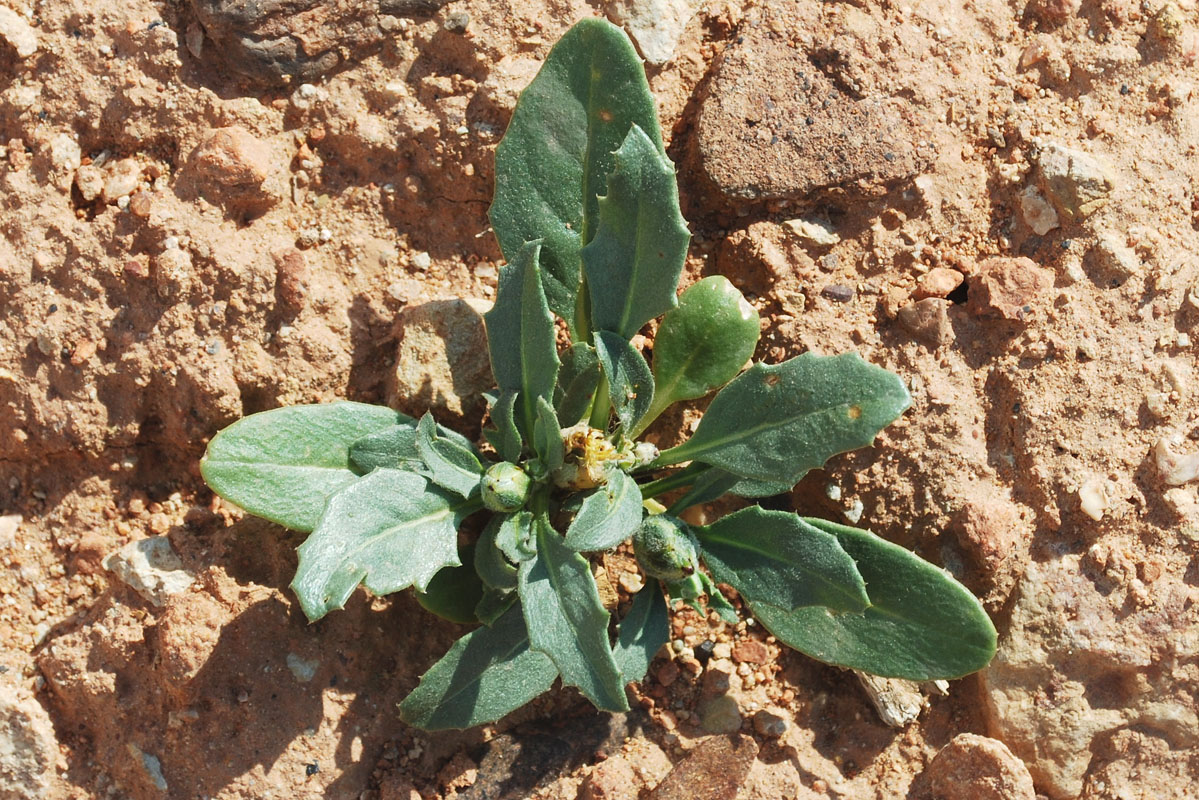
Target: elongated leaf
[(558, 151), (486, 674), (454, 591), (493, 605), (490, 563), (921, 625), (390, 529), (515, 537), (283, 465), (634, 261), (450, 465), (630, 383), (775, 557), (577, 381), (505, 438), (567, 621), (521, 336), (547, 437), (642, 632), (609, 515), (774, 423), (703, 344), (391, 448)]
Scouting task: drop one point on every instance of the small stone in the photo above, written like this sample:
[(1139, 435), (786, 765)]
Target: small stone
[(937, 282), (120, 179), (65, 154), (990, 528), (750, 651), (303, 669), (9, 523), (813, 231), (1175, 469), (151, 568), (1008, 288), (973, 767), (611, 779), (1114, 259), (89, 181), (838, 292), (897, 701), (291, 281), (1184, 502), (655, 25), (232, 168), (140, 204), (713, 770), (172, 272), (631, 582), (456, 22), (668, 673), (1037, 212), (771, 724), (719, 677), (28, 749), (422, 261), (441, 358), (1077, 183), (1054, 12), (20, 35), (720, 714), (1092, 498), (928, 320)]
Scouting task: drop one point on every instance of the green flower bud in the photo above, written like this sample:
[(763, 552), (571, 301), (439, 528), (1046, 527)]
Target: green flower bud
[(505, 487), (665, 548)]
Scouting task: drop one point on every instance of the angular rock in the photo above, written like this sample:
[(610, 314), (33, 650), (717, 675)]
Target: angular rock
[(441, 358), (714, 770), (897, 701), (20, 35), (655, 25), (973, 767), (612, 779), (1008, 288), (1077, 183), (720, 714), (151, 568), (762, 138), (233, 168), (272, 42), (28, 749), (937, 282), (928, 321), (1114, 259), (1086, 655), (1038, 213), (771, 723)]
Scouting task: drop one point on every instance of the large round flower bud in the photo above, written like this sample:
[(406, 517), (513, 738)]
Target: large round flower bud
[(505, 487)]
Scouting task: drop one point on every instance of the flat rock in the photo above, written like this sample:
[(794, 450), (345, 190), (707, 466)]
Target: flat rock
[(714, 770), (928, 321), (441, 359), (1088, 651), (1077, 183), (655, 25), (272, 42), (28, 749), (973, 767), (773, 126), (151, 568), (1008, 288)]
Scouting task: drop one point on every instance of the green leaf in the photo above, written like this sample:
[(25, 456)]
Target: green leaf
[(567, 621), (486, 674), (555, 158), (283, 465), (521, 336), (490, 563), (515, 538), (777, 558), (494, 603), (450, 464), (454, 592), (390, 529), (391, 448), (609, 515), (701, 345), (921, 625), (547, 437), (774, 423), (630, 383), (643, 631), (506, 437), (633, 263), (577, 381)]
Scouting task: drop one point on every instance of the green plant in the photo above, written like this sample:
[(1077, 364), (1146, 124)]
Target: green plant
[(586, 212)]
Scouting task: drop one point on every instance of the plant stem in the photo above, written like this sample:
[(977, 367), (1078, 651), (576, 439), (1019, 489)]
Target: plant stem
[(675, 480), (601, 406)]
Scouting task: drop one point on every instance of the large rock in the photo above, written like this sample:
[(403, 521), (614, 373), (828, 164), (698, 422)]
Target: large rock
[(28, 749), (441, 359), (973, 767), (274, 41), (773, 126), (1090, 650)]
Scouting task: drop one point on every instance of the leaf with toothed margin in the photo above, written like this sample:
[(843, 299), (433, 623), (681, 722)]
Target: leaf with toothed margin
[(448, 464), (505, 438), (630, 383), (577, 382)]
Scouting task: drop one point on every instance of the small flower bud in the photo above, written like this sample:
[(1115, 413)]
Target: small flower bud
[(665, 548), (505, 487)]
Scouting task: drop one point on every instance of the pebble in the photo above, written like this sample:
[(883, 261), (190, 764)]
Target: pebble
[(421, 260), (928, 321), (937, 282), (120, 179), (720, 714), (770, 723), (65, 154), (838, 292), (713, 770), (973, 767), (456, 22), (668, 673), (1077, 183), (151, 568), (28, 748), (750, 651), (89, 180), (20, 35), (441, 357), (1114, 258), (611, 779), (813, 231), (655, 25), (1092, 498), (291, 281), (631, 582), (1174, 468), (302, 668), (1037, 212), (1008, 288)]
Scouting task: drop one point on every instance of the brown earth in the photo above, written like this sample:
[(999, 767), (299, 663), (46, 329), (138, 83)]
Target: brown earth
[(996, 200)]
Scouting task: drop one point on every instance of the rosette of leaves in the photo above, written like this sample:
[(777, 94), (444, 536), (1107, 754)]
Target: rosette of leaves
[(586, 212)]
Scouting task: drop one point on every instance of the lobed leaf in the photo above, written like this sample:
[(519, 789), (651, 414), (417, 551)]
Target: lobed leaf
[(493, 568), (777, 558), (921, 624), (643, 631), (521, 337), (567, 621), (395, 448), (554, 160), (630, 383), (284, 464), (608, 516), (449, 464), (515, 538), (390, 530), (701, 345), (774, 423), (633, 263), (547, 437), (454, 592), (577, 382), (506, 437), (486, 674)]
